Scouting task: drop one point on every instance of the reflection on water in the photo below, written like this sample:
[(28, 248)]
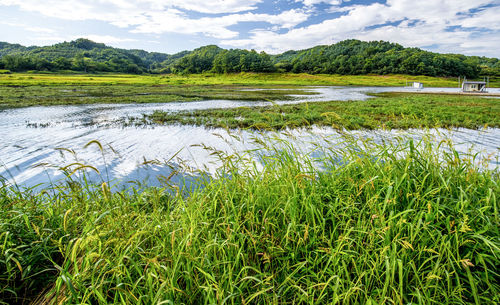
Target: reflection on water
[(94, 114), (127, 148)]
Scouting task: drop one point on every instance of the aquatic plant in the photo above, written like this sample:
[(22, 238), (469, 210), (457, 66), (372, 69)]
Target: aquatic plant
[(385, 110)]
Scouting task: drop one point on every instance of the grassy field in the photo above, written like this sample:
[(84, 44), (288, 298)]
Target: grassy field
[(372, 229), (386, 110), (398, 223), (42, 95), (29, 89), (248, 79)]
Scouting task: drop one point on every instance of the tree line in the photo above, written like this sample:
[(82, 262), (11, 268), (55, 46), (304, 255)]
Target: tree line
[(79, 55), (349, 57)]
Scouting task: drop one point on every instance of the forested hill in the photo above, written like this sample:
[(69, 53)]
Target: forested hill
[(345, 57), (79, 55)]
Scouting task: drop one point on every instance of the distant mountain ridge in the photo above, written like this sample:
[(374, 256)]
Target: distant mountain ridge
[(345, 57)]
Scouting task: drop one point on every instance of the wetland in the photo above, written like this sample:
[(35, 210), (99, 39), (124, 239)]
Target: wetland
[(126, 189)]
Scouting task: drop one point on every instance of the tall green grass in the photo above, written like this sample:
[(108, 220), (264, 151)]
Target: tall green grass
[(400, 223)]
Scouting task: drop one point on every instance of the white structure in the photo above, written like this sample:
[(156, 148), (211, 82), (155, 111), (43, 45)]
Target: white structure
[(418, 85), (414, 85), (473, 86)]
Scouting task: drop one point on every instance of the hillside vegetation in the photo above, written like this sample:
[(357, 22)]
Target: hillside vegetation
[(349, 57)]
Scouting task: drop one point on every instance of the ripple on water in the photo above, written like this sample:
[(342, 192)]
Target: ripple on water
[(23, 146)]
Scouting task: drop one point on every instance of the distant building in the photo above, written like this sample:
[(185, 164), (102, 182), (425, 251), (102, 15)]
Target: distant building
[(473, 86), (414, 85), (418, 85)]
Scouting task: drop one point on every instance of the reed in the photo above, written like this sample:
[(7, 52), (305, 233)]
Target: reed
[(365, 223)]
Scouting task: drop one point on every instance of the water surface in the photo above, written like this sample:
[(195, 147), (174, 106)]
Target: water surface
[(31, 136)]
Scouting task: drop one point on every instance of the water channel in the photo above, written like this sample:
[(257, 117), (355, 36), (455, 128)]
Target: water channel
[(32, 137)]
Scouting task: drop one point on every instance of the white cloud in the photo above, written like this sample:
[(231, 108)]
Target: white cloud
[(176, 22), (83, 9), (37, 29), (421, 23), (313, 2), (155, 16), (70, 9), (50, 38), (34, 29), (487, 18), (475, 25), (209, 7), (107, 39)]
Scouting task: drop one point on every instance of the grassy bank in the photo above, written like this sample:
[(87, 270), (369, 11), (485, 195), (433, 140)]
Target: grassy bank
[(373, 229), (29, 89), (248, 79), (387, 110), (42, 95)]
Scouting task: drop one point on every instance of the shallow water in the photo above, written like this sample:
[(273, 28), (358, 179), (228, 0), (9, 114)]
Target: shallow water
[(30, 136), (95, 114)]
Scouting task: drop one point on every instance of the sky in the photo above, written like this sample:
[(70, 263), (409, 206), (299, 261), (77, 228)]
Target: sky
[(470, 27)]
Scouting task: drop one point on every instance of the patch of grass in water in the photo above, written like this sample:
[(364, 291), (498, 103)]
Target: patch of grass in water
[(386, 110)]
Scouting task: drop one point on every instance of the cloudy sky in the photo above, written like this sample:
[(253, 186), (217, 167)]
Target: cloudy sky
[(470, 27)]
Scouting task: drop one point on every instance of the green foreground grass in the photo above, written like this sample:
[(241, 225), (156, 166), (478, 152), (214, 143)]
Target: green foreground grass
[(422, 228), (386, 110)]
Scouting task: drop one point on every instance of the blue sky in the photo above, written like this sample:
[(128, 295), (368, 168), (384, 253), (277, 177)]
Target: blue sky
[(469, 27)]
